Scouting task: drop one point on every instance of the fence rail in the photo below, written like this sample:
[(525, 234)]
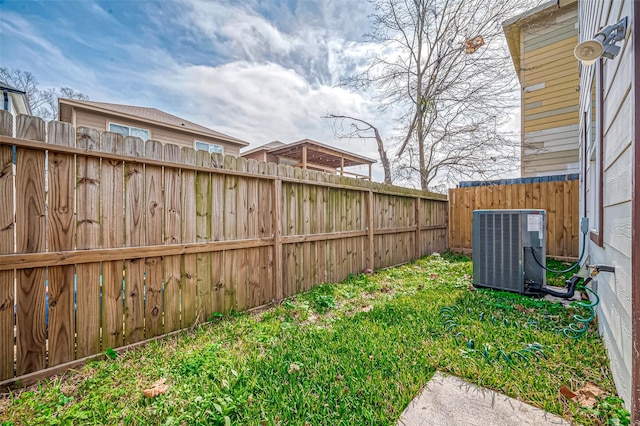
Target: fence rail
[(558, 198), (107, 241)]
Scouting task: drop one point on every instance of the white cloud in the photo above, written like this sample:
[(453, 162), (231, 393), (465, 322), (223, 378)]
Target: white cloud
[(259, 102)]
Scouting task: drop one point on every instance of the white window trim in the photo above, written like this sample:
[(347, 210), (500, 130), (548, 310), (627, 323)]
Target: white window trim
[(195, 142), (109, 123)]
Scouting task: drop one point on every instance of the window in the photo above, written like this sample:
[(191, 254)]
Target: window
[(211, 148), (595, 158), (129, 131)]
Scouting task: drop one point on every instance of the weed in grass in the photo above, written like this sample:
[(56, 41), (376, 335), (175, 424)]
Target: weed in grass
[(322, 298), (610, 411), (376, 340), (111, 354), (216, 316)]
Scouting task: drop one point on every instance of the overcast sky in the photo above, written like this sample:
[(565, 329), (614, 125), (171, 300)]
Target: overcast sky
[(259, 70)]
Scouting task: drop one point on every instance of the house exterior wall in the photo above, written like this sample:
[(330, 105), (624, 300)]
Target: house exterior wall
[(549, 79), (100, 121), (615, 126)]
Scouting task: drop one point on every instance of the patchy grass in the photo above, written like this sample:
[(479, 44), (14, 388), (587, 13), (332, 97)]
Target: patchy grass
[(350, 353), (558, 279)]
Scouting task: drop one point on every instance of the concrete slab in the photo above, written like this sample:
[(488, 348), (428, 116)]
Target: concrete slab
[(566, 302), (450, 401)]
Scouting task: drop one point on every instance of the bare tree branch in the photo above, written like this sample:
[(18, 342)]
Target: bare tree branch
[(446, 75), (43, 102), (361, 132)]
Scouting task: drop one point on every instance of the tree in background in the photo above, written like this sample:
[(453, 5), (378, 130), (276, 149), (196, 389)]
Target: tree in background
[(445, 76), (43, 102), (362, 130)]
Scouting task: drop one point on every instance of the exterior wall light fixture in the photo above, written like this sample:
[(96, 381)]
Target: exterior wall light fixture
[(602, 44)]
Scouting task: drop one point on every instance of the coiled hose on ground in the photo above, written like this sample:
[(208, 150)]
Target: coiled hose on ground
[(577, 329)]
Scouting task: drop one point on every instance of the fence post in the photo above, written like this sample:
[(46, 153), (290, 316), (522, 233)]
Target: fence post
[(277, 238), (417, 239), (370, 252)]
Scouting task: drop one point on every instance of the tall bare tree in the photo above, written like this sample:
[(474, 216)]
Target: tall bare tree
[(43, 102), (362, 129), (444, 74)]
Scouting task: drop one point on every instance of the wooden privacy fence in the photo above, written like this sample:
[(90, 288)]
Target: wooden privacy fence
[(107, 241), (558, 198)]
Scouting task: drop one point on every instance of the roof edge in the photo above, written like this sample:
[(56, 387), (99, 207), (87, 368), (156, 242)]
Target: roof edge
[(221, 136), (312, 142), (530, 13)]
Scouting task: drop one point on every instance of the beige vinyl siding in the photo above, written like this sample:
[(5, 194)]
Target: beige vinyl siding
[(554, 169), (547, 72), (543, 106), (614, 311), (558, 157), (88, 119), (549, 75), (101, 121)]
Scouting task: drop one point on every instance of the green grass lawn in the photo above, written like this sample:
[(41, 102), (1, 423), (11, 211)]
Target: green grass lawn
[(350, 353)]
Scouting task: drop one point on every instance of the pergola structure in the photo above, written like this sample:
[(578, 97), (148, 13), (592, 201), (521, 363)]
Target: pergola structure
[(312, 155)]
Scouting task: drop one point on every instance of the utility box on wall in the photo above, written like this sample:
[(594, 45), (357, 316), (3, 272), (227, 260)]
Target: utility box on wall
[(504, 245)]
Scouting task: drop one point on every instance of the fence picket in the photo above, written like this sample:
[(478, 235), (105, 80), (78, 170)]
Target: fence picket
[(88, 237), (7, 224), (61, 236), (230, 230), (112, 187), (204, 297), (172, 235), (30, 238), (242, 290), (188, 283), (134, 227), (264, 210), (254, 296), (217, 234), (154, 209)]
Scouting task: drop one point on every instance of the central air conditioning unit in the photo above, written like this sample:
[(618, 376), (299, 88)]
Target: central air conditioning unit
[(504, 242)]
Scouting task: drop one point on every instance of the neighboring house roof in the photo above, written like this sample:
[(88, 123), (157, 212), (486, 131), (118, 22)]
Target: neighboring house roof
[(266, 147), (512, 26), (4, 85), (318, 153), (151, 115)]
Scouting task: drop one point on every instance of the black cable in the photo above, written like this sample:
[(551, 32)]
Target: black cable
[(571, 288), (584, 240)]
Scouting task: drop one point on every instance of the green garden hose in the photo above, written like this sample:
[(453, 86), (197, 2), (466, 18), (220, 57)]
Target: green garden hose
[(447, 316), (577, 329)]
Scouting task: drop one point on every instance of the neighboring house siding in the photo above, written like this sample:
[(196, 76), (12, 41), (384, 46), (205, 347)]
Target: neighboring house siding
[(85, 118), (549, 78), (614, 311)]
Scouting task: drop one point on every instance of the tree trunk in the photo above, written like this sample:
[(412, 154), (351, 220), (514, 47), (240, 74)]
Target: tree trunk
[(383, 157)]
